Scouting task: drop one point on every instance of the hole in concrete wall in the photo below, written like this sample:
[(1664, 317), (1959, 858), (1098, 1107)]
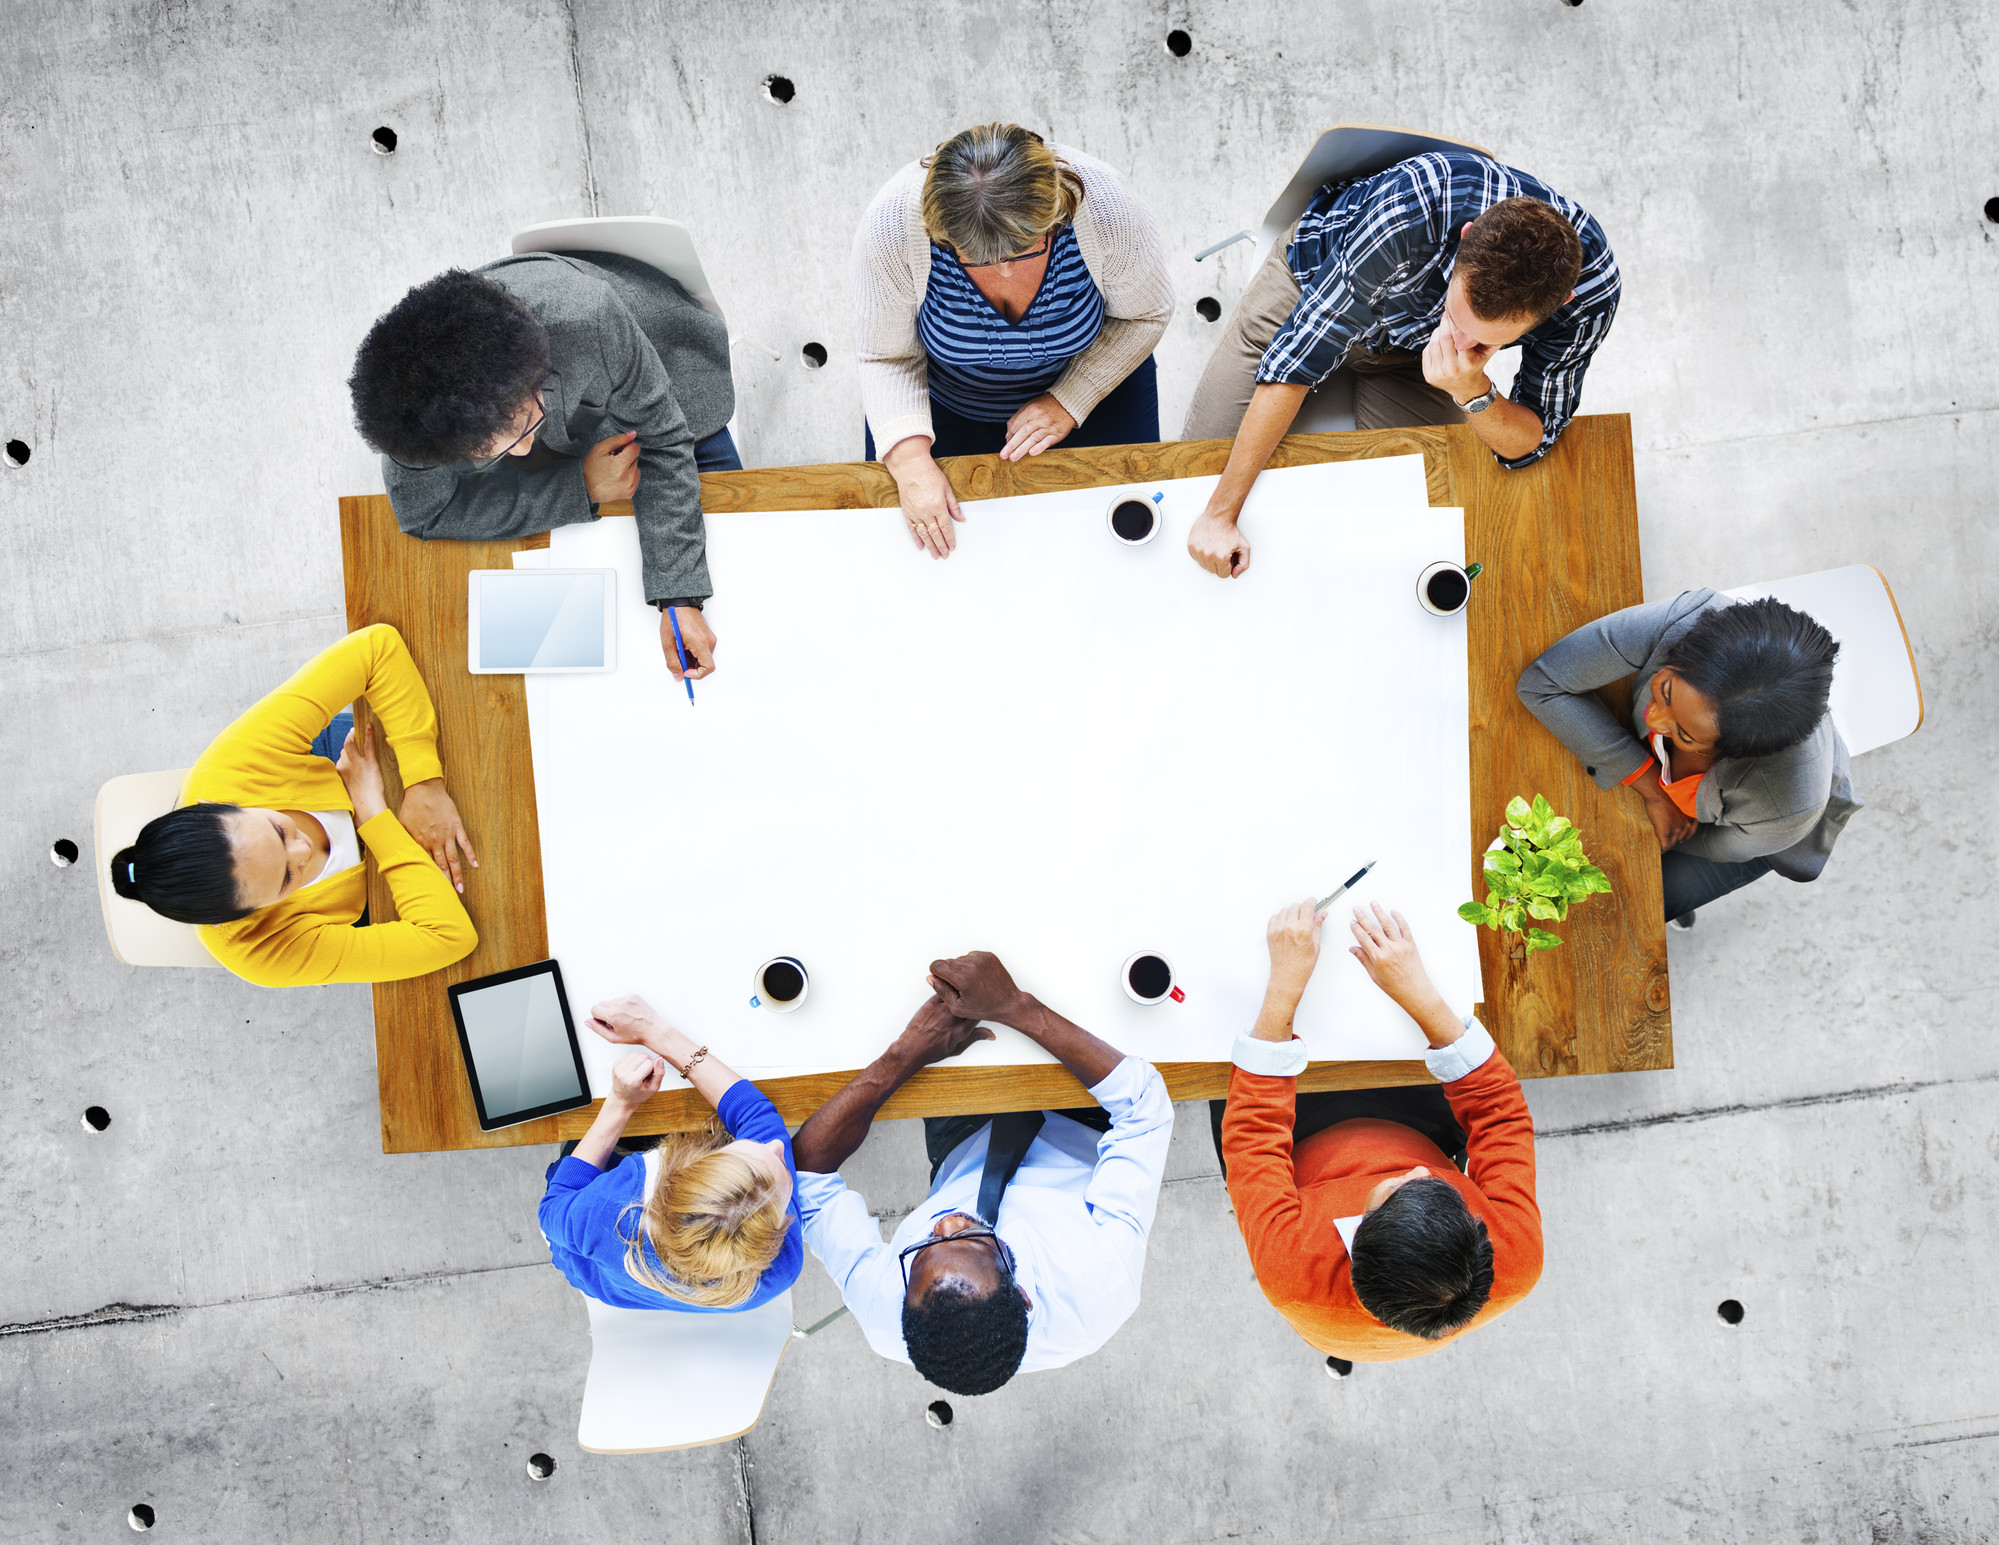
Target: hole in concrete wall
[(814, 355), (1178, 44), (97, 1118), (141, 1517), (62, 852), (1572, 2), (1210, 308), (1338, 1368), (18, 453), (1730, 1311), (938, 1413), (779, 89), (384, 140), (540, 1466), (1991, 213)]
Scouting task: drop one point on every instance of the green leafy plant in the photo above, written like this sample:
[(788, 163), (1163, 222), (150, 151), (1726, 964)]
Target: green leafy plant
[(1537, 872)]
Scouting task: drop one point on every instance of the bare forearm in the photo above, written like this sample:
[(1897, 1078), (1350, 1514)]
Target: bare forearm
[(1280, 1008), (832, 1132), (597, 1143), (1091, 1060), (1507, 428), (710, 1077), (1272, 407)]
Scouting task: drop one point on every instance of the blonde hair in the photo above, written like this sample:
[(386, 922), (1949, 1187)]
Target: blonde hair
[(992, 192), (715, 1220)]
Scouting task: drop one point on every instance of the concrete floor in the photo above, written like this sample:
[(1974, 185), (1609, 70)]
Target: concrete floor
[(334, 1345)]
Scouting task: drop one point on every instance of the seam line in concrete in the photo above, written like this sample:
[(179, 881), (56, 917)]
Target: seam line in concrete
[(161, 638), (118, 1314), (1963, 1437), (1799, 1102), (582, 111), (1818, 429)]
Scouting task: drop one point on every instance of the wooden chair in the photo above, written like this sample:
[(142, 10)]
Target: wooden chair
[(1876, 694), (139, 935), (663, 1380), (1344, 151)]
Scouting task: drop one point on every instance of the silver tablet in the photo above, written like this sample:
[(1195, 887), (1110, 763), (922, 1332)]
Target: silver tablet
[(531, 621)]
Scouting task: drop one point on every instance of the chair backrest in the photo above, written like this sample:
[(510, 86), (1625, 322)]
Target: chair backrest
[(666, 244), (659, 1379), (139, 935), (1876, 695), (1343, 151)]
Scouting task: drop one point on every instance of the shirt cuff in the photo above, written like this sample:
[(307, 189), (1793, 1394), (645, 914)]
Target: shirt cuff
[(1466, 1055), (1271, 1059)]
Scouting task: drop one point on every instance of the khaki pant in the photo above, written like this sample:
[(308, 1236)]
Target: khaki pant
[(1389, 389)]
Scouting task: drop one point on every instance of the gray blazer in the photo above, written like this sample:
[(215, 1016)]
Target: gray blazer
[(628, 348), (1786, 809)]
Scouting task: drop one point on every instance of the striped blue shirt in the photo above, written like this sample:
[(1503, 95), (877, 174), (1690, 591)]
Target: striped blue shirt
[(985, 367), (1374, 257)]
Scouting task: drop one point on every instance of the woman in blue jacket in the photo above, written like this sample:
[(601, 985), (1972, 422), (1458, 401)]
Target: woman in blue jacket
[(703, 1223)]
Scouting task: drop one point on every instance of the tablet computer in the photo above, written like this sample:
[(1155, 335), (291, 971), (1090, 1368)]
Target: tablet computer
[(520, 1045), (528, 621)]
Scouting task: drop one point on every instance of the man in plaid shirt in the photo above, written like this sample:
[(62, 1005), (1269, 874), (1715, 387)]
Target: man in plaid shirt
[(1412, 279)]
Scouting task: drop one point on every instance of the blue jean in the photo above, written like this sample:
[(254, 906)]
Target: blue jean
[(327, 742), (717, 453), (1690, 882), (1129, 415)]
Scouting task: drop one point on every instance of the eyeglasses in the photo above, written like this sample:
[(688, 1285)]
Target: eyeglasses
[(481, 463), (1018, 257), (979, 1231)]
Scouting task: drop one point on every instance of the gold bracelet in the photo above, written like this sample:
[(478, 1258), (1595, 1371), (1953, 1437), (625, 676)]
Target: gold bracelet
[(684, 1072)]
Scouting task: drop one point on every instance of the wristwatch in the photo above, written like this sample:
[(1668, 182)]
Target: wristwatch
[(1480, 403)]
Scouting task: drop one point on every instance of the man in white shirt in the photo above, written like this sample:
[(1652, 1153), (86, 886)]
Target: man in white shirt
[(1028, 1252)]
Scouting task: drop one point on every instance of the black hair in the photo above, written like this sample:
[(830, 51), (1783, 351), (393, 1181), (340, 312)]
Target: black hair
[(445, 369), (966, 1342), (1422, 1264), (1765, 666), (183, 866)]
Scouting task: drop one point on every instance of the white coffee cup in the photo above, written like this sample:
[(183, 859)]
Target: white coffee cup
[(1437, 572), (1150, 504), (760, 995)]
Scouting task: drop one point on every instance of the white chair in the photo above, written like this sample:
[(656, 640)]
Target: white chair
[(662, 1380), (666, 244), (1345, 151), (139, 935), (1876, 695)]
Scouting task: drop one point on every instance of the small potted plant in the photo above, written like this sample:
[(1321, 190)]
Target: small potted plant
[(1536, 869)]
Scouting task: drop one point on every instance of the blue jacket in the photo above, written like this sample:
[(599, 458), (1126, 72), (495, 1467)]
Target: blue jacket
[(579, 1217)]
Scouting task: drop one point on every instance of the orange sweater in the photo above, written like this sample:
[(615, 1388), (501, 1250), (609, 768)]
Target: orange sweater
[(1286, 1204)]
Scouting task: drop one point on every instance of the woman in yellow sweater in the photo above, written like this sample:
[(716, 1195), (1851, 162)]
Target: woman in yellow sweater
[(264, 852)]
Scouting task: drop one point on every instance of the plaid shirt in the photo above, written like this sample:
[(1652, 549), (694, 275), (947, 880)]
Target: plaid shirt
[(1374, 258)]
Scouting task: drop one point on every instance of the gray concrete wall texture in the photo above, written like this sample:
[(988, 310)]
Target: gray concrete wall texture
[(195, 230)]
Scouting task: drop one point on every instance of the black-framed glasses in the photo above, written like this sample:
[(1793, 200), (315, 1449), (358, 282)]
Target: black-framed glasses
[(1018, 257), (481, 463), (978, 1231)]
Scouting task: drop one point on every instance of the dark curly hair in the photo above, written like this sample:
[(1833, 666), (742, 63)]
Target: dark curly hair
[(445, 369), (964, 1342), (183, 866), (1765, 666), (1520, 259), (1422, 1264)]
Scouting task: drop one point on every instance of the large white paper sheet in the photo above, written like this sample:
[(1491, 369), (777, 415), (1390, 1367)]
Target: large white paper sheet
[(1052, 746)]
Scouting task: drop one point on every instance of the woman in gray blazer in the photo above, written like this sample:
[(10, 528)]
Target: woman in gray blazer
[(1729, 744)]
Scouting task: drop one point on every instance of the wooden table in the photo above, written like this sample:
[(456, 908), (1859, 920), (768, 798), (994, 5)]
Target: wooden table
[(1559, 542)]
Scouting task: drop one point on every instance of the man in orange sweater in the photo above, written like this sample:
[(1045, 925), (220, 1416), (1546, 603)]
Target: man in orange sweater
[(1362, 1231)]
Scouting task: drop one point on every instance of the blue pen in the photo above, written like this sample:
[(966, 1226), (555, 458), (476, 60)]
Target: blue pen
[(680, 649)]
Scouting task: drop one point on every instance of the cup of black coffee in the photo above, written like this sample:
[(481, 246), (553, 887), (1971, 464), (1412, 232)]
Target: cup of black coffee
[(1148, 979), (781, 985), (1443, 588), (1134, 520)]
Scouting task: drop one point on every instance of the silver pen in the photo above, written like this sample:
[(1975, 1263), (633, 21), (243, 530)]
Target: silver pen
[(1352, 880)]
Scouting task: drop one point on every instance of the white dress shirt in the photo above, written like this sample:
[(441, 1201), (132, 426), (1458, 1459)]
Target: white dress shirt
[(1075, 1216)]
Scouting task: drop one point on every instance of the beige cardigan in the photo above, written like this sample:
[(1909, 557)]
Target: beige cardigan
[(1120, 245)]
